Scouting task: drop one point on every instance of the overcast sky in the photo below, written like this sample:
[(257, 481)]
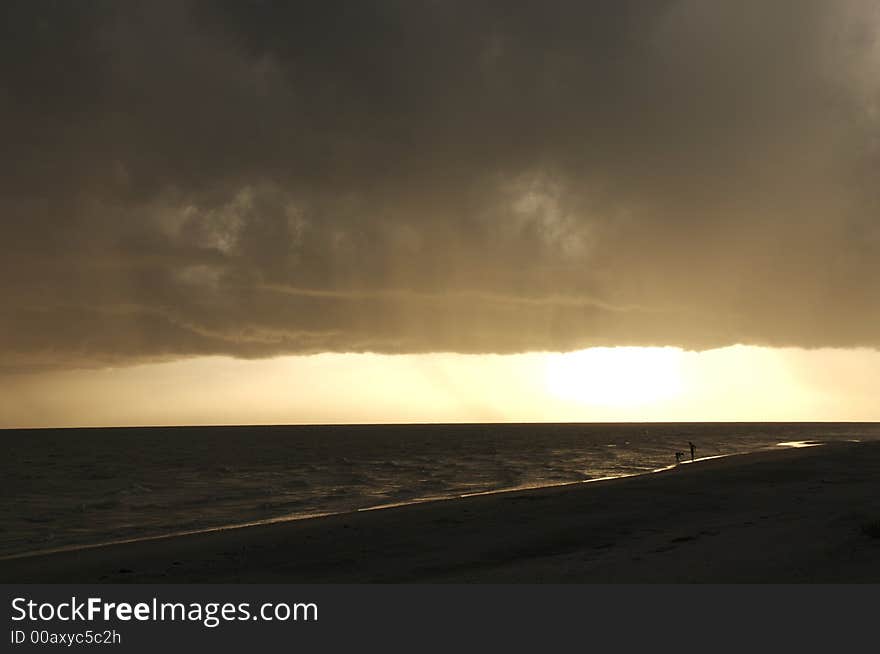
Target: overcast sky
[(255, 178)]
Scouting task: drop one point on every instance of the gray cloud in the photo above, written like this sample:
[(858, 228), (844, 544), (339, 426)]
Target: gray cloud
[(258, 178)]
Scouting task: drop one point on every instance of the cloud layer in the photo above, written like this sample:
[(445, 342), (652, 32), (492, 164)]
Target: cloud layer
[(263, 178)]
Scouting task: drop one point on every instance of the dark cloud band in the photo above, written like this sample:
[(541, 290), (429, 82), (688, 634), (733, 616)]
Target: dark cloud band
[(258, 178)]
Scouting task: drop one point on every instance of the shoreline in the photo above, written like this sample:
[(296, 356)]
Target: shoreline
[(75, 547), (781, 515)]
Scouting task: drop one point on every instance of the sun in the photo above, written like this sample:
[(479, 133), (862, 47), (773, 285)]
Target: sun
[(616, 376)]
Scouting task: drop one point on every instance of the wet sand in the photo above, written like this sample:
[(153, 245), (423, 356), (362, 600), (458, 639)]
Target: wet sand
[(793, 515)]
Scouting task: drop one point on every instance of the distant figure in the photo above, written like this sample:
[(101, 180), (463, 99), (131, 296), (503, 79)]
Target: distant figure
[(693, 449), (678, 457)]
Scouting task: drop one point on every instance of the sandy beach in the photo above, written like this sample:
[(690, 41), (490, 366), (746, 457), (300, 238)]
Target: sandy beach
[(790, 515)]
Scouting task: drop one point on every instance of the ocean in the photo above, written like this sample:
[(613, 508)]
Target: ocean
[(75, 487)]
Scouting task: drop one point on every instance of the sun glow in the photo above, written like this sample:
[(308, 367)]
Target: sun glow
[(616, 376), (744, 383)]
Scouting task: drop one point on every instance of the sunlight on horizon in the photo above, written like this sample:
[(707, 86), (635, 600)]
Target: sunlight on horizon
[(623, 384), (616, 376)]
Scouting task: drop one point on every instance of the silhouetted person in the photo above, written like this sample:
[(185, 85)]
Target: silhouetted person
[(693, 449), (678, 457)]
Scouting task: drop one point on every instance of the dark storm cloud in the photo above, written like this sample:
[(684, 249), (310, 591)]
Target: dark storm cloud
[(263, 178)]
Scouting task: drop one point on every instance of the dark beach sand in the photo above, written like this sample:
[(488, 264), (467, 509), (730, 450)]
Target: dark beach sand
[(783, 516)]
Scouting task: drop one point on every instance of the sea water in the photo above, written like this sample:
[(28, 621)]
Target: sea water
[(70, 487)]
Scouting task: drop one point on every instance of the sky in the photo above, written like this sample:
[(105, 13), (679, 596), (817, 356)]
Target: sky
[(235, 212)]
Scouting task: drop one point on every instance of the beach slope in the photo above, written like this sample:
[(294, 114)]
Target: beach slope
[(792, 515)]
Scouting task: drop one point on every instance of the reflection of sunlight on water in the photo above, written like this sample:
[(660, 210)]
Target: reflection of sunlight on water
[(524, 487), (672, 466), (165, 536), (137, 484)]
